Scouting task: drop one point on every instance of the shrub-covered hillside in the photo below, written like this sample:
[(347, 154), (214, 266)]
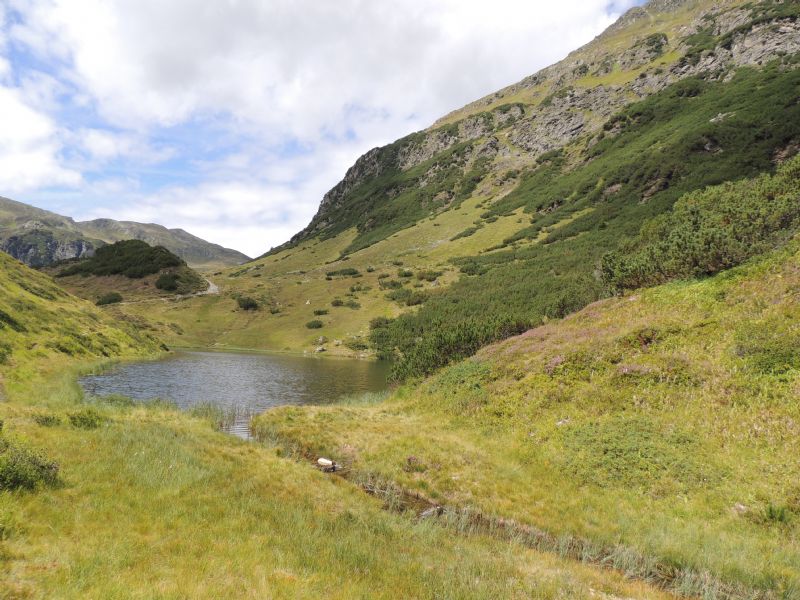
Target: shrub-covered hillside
[(129, 270), (131, 258), (693, 134)]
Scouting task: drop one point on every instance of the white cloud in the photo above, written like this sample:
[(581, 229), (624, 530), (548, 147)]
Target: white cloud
[(29, 147), (333, 77)]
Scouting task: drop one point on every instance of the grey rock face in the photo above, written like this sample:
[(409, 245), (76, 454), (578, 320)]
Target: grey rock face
[(43, 249)]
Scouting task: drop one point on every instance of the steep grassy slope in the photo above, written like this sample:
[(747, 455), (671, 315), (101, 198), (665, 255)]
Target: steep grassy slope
[(662, 426), (38, 320), (39, 237)]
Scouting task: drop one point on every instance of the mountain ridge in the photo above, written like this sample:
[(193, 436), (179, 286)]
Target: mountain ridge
[(39, 237)]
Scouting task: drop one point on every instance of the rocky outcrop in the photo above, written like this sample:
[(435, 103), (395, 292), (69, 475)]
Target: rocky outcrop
[(40, 248)]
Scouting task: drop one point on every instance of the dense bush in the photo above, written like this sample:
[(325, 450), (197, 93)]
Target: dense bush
[(21, 468), (315, 324), (710, 230), (347, 272), (429, 275), (337, 302), (321, 311), (247, 303), (88, 418), (167, 282), (109, 298), (132, 258)]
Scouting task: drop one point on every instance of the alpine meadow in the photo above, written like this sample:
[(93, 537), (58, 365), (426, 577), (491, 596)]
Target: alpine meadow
[(547, 347)]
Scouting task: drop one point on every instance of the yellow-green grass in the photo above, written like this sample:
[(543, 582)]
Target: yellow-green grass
[(39, 320), (132, 290), (154, 503), (292, 284), (666, 421)]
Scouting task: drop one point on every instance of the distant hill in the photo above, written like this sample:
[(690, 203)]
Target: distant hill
[(39, 238)]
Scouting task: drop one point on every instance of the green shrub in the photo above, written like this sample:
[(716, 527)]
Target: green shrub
[(429, 275), (87, 418), (346, 272), (710, 230), (6, 320), (405, 273), (379, 322), (109, 298), (167, 282), (5, 352), (315, 324), (356, 344), (337, 302), (47, 420), (21, 468), (352, 304), (321, 311), (390, 284), (247, 303), (469, 231)]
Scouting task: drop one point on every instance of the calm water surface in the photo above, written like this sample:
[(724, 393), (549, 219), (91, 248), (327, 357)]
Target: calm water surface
[(241, 384)]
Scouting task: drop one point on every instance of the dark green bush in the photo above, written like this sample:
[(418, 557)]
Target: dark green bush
[(379, 322), (429, 275), (21, 468), (6, 320), (167, 282), (405, 273), (88, 418), (337, 302), (47, 420), (109, 298), (321, 311), (247, 303), (352, 304), (346, 272), (710, 230), (315, 324), (390, 284), (5, 352)]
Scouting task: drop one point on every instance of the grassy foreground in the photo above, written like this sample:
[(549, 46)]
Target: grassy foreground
[(106, 499), (665, 422), (154, 503)]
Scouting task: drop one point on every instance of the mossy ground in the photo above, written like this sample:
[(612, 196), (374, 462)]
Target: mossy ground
[(666, 421)]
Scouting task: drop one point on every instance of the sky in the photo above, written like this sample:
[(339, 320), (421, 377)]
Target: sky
[(232, 118)]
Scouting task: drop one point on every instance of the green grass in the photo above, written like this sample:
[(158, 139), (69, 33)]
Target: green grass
[(153, 502), (662, 424)]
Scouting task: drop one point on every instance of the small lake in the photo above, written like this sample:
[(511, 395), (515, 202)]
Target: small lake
[(240, 384)]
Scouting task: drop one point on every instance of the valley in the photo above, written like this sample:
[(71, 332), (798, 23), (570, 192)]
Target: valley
[(551, 344)]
